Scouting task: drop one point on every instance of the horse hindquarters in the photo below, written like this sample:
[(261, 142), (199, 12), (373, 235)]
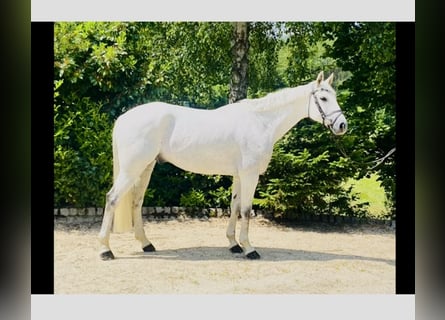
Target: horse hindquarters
[(132, 160), (131, 164)]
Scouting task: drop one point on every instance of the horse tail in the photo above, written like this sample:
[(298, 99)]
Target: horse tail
[(123, 214)]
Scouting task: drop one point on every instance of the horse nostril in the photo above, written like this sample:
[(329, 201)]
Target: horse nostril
[(343, 126)]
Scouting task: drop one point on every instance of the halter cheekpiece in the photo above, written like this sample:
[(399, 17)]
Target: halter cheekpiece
[(322, 113)]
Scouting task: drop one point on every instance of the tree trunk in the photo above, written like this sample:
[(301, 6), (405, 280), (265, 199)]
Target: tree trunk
[(240, 48)]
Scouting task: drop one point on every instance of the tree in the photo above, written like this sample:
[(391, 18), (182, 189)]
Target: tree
[(240, 61), (367, 50), (265, 44)]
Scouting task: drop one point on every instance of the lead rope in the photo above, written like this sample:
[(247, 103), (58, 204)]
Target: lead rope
[(376, 162)]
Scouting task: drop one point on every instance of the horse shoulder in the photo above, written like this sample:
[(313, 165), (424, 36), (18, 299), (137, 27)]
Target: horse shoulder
[(255, 143)]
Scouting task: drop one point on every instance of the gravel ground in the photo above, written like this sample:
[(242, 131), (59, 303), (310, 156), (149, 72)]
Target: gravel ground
[(192, 258)]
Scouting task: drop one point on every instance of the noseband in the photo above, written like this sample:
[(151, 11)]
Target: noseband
[(322, 113)]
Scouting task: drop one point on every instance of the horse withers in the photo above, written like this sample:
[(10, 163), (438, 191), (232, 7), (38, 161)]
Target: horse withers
[(194, 140)]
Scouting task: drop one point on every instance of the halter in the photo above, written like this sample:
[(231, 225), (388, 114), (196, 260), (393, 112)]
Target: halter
[(322, 113)]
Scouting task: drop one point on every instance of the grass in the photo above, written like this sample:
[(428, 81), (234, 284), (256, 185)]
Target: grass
[(370, 190)]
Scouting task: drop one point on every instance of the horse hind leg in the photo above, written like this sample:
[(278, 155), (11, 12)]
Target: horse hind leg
[(138, 198), (121, 186)]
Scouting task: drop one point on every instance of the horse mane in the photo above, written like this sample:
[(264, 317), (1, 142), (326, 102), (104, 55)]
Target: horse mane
[(272, 100)]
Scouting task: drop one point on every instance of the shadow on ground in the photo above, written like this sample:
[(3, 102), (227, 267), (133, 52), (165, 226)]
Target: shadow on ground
[(267, 254)]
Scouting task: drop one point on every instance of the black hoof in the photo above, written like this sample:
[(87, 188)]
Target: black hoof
[(236, 249), (149, 248), (107, 255), (253, 255)]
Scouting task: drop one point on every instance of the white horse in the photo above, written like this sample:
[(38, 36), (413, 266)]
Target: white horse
[(236, 140)]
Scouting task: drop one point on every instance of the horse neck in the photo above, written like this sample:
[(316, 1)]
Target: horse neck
[(284, 109)]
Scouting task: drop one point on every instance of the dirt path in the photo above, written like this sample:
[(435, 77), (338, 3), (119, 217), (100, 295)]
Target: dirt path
[(193, 258)]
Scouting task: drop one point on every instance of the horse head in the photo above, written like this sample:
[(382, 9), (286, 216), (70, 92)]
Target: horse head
[(323, 106)]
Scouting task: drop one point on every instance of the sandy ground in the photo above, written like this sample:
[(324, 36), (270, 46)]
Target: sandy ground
[(192, 258)]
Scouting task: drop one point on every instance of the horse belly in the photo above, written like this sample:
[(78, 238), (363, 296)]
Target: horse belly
[(212, 160)]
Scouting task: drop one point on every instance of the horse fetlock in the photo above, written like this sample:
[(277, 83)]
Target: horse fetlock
[(143, 240), (104, 240), (232, 241), (244, 241)]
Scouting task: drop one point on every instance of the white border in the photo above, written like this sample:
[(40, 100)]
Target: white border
[(225, 307), (215, 307), (223, 10)]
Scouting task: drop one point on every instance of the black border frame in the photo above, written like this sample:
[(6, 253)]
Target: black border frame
[(42, 158)]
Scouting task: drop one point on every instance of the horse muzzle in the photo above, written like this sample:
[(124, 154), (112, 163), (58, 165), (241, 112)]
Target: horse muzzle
[(339, 126)]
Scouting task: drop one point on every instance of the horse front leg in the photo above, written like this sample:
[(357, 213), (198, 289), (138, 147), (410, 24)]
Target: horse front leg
[(248, 186), (235, 207)]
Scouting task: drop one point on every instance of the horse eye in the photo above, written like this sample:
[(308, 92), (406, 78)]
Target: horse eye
[(324, 99)]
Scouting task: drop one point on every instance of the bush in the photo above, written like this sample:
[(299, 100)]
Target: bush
[(82, 155), (298, 181), (194, 199)]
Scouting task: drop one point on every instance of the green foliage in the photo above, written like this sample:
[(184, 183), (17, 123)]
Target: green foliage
[(264, 44), (194, 199), (166, 186), (82, 150), (299, 181), (100, 61), (220, 197), (367, 50), (371, 191), (299, 42)]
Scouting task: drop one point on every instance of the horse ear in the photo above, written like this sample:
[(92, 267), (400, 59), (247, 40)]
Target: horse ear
[(320, 78), (330, 79)]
